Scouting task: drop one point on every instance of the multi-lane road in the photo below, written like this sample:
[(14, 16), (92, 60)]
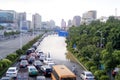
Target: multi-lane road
[(11, 45), (56, 46), (52, 44)]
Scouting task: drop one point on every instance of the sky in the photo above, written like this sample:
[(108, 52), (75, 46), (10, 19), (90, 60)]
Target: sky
[(61, 9)]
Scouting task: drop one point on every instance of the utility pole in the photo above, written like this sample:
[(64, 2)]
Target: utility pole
[(115, 13)]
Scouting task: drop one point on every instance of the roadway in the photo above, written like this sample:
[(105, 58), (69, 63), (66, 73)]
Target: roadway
[(53, 44), (56, 46), (11, 45)]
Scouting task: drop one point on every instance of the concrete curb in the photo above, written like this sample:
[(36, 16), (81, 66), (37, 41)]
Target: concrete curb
[(79, 62)]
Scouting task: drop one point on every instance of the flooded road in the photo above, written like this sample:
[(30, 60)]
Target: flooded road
[(56, 46)]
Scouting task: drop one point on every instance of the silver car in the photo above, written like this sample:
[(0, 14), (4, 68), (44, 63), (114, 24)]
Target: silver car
[(40, 78)]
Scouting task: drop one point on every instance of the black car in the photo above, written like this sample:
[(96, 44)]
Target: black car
[(46, 70), (29, 51), (38, 64)]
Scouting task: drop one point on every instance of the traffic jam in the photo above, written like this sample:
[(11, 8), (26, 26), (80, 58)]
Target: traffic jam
[(33, 65), (37, 65)]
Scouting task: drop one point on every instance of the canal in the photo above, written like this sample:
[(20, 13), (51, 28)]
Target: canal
[(56, 46)]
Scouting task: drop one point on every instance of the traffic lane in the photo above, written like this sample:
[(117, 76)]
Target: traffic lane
[(23, 71), (70, 64), (7, 47)]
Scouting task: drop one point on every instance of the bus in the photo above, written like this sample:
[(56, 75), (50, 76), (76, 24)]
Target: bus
[(61, 72)]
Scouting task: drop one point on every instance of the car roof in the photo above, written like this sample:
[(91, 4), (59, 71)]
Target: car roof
[(31, 66), (12, 67), (51, 63), (87, 72), (46, 66), (24, 60), (43, 77), (37, 61), (6, 77)]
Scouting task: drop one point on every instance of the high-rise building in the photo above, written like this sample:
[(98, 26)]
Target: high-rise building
[(76, 21), (36, 21), (89, 16), (8, 18), (22, 20), (69, 23), (63, 24), (52, 24), (29, 24)]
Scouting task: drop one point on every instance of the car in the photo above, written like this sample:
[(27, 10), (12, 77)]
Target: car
[(5, 78), (22, 76), (37, 64), (12, 72), (23, 57), (87, 75), (32, 70), (40, 78), (46, 70), (30, 50), (51, 64), (24, 64), (48, 60), (31, 59), (42, 57)]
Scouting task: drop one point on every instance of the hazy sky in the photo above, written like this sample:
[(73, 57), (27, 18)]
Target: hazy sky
[(61, 9)]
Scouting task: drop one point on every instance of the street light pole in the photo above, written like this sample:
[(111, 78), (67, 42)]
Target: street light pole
[(20, 38), (101, 37)]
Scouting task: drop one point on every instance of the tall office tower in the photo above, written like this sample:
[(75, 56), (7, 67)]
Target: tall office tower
[(69, 23), (63, 24), (76, 21), (52, 24), (22, 23), (8, 18), (89, 16), (21, 18), (36, 21), (29, 24)]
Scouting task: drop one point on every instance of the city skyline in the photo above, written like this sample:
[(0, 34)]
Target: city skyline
[(61, 9)]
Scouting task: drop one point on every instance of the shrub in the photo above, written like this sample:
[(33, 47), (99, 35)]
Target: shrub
[(11, 57), (1, 65), (82, 59), (19, 51), (6, 62), (104, 77), (93, 69), (89, 64), (99, 73)]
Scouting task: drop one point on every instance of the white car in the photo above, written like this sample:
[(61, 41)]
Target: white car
[(48, 60), (42, 57), (87, 75), (12, 72), (51, 64)]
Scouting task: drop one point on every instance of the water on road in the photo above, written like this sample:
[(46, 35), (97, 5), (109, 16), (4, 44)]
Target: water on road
[(56, 46)]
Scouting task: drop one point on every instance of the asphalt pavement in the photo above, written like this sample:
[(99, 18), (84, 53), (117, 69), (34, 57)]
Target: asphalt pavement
[(11, 45)]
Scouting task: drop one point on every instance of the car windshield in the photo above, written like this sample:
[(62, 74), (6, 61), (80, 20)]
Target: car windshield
[(24, 62), (49, 70), (11, 70), (38, 63), (89, 75), (32, 69)]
